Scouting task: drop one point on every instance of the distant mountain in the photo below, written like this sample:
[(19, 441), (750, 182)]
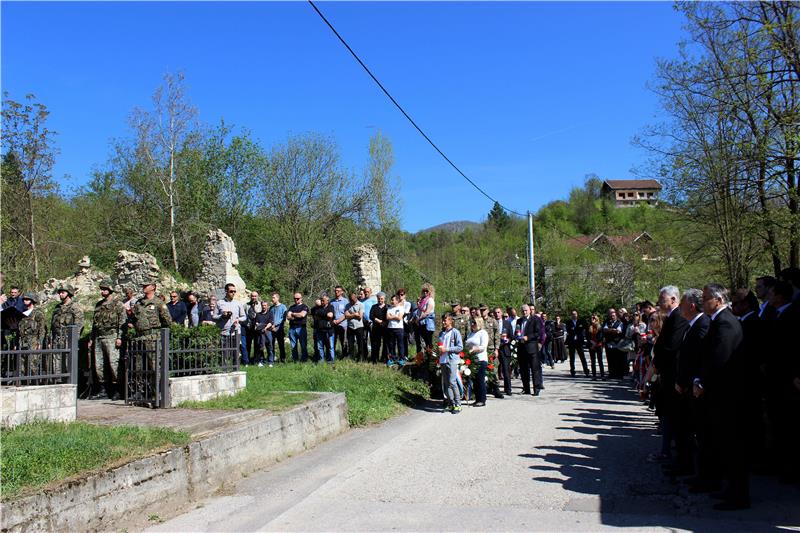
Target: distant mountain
[(456, 226)]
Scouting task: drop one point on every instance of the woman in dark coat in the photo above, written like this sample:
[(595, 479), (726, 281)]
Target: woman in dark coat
[(559, 336)]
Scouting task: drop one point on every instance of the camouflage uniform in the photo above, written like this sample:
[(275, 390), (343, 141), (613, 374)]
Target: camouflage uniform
[(65, 315), (32, 330), (461, 323), (494, 328), (149, 315), (109, 318)]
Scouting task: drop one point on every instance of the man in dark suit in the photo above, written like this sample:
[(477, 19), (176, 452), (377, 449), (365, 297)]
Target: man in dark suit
[(529, 334), (762, 288), (783, 380), (745, 306), (720, 384), (665, 354), (688, 366), (576, 332)]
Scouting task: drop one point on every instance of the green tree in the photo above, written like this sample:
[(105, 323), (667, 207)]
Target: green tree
[(498, 218), (28, 158)]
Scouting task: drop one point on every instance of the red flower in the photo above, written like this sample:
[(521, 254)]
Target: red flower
[(461, 355), (468, 362), (490, 367), (491, 358)]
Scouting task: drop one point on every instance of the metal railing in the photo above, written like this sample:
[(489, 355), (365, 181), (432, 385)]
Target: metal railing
[(191, 356), (151, 362), (49, 361)]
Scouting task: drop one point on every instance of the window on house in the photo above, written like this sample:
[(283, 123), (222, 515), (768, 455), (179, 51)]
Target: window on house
[(630, 195), (620, 195), (649, 195), (641, 195)]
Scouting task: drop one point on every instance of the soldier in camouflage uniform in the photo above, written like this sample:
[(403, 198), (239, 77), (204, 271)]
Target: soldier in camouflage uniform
[(106, 338), (32, 330), (460, 322), (150, 314), (67, 313)]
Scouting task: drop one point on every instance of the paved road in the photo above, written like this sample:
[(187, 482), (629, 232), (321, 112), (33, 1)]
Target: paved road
[(572, 459)]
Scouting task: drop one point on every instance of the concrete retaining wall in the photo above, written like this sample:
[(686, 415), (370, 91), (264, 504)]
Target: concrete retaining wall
[(207, 387), (56, 403), (161, 484)]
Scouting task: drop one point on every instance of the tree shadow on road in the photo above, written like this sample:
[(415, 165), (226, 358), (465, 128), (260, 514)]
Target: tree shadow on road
[(602, 461)]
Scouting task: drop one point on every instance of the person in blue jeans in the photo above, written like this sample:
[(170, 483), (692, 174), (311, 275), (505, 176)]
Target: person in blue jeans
[(297, 315)]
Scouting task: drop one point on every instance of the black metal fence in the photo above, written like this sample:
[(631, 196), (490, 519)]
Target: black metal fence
[(190, 356), (151, 362), (44, 362)]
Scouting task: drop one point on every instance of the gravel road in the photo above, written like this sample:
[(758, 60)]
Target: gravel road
[(572, 459)]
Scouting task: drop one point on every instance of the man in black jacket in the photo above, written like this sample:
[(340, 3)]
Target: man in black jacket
[(783, 380), (665, 356), (576, 332), (688, 366), (529, 335), (745, 306), (720, 383)]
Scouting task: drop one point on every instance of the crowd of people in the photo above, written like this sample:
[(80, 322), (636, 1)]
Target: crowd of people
[(718, 368)]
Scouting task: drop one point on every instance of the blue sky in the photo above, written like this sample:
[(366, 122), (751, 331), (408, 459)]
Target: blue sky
[(527, 98)]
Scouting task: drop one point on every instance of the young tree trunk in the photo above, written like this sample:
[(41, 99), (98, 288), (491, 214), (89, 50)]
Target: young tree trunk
[(32, 240)]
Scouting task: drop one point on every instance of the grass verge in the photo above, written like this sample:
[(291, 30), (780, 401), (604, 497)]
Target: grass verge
[(374, 393), (250, 398), (34, 455)]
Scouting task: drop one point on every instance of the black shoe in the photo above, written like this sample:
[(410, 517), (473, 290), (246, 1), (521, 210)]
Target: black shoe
[(536, 392), (703, 488), (499, 396), (479, 404), (509, 393), (732, 505)]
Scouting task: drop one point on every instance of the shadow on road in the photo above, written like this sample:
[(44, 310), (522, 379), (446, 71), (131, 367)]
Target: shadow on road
[(602, 459)]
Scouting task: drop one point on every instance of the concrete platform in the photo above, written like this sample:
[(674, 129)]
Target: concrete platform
[(196, 422)]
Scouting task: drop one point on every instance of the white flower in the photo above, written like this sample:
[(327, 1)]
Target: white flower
[(467, 371)]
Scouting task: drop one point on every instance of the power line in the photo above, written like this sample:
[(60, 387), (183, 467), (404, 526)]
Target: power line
[(403, 111)]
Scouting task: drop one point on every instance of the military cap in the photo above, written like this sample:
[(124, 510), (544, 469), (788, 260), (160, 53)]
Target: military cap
[(31, 296), (107, 284), (66, 287), (483, 307), (455, 304), (146, 283)]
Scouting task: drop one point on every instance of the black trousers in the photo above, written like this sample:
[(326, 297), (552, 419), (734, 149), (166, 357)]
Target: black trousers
[(729, 445), (480, 382), (357, 344), (524, 359), (505, 367), (279, 337), (422, 337), (596, 356), (377, 339), (340, 334), (530, 368), (579, 349)]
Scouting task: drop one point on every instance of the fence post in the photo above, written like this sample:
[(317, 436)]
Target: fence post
[(164, 370), (72, 341), (235, 350)]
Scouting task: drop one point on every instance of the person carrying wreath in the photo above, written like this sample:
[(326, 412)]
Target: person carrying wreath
[(450, 345), (477, 343)]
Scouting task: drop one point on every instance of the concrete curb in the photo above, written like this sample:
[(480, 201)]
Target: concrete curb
[(163, 483)]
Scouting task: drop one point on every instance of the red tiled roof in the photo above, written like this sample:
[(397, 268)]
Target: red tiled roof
[(615, 240), (633, 184)]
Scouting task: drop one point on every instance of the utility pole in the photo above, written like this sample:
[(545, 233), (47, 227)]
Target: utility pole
[(531, 263)]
